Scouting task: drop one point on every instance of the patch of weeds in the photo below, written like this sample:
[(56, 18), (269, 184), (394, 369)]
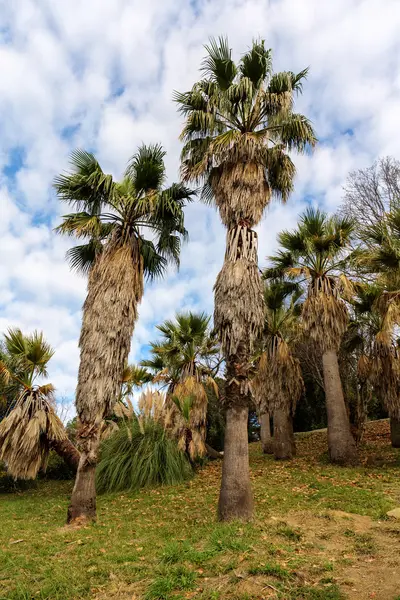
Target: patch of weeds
[(229, 566), (174, 552), (273, 570), (213, 595), (179, 578), (273, 550), (326, 580), (229, 537), (294, 535), (349, 533), (330, 592), (198, 557), (364, 544), (328, 566)]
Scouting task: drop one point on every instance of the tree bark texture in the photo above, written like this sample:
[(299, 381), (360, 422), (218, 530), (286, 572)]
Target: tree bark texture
[(395, 432), (83, 500), (284, 442), (265, 434), (341, 444), (67, 451), (236, 500)]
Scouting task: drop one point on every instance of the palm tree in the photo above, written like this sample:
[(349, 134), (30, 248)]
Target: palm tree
[(373, 199), (379, 258), (315, 252), (186, 361), (278, 383), (31, 427), (112, 218), (379, 363), (240, 126)]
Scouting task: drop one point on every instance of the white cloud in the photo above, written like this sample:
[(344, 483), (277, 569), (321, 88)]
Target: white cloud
[(100, 75)]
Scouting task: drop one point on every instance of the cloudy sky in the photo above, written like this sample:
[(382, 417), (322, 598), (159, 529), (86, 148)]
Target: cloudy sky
[(99, 74)]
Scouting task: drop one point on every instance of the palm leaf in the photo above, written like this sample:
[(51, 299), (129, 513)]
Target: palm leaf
[(218, 64), (146, 168), (256, 64)]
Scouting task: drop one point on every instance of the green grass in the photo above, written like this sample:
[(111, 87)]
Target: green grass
[(165, 542), (178, 578), (270, 569), (364, 544)]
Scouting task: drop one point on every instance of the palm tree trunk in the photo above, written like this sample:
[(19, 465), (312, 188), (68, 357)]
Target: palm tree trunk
[(114, 289), (236, 500), (83, 500), (395, 432), (239, 318), (341, 444), (67, 451), (265, 434), (284, 442)]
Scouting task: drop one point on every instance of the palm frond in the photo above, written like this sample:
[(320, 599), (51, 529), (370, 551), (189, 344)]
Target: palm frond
[(82, 257), (146, 168), (256, 64), (218, 64), (86, 186), (295, 132)]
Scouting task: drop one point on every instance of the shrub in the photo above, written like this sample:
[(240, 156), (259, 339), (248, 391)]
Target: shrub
[(9, 485), (140, 454), (57, 468)]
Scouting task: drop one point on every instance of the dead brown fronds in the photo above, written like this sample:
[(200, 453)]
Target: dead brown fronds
[(27, 432)]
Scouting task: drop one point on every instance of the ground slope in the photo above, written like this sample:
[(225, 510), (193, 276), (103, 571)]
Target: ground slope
[(320, 533)]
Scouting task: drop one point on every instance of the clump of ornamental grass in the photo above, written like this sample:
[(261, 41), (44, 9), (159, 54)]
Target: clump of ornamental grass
[(140, 454)]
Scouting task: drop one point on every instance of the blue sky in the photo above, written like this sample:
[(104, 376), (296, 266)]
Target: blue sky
[(100, 75)]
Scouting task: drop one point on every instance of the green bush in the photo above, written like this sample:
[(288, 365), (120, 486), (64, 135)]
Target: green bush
[(8, 484), (139, 455), (57, 468)]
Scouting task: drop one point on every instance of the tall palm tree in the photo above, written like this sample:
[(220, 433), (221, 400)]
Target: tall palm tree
[(315, 252), (186, 361), (278, 383), (30, 427), (379, 258), (112, 218), (379, 363), (239, 129)]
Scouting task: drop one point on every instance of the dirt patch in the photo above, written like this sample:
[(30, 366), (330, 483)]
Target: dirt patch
[(365, 554)]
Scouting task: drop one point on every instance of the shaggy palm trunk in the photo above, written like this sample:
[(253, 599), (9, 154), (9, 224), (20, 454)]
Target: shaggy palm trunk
[(395, 432), (341, 444), (115, 287), (284, 442), (238, 317), (236, 500), (67, 451), (265, 434)]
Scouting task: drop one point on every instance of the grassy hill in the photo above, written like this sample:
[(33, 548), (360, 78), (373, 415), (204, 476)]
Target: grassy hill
[(320, 533)]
